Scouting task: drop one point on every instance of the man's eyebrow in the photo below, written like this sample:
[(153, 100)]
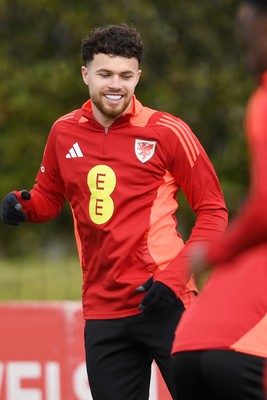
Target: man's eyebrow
[(109, 70), (103, 70)]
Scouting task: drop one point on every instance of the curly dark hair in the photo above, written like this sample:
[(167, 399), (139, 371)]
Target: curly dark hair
[(120, 40)]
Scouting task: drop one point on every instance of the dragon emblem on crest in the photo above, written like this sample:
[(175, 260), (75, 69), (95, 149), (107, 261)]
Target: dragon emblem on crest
[(144, 149)]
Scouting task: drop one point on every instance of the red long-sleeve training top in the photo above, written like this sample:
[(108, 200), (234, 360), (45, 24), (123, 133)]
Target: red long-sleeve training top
[(122, 184)]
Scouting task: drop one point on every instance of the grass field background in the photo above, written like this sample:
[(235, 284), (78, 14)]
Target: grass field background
[(40, 279)]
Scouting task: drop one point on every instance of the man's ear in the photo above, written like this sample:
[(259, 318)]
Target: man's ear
[(139, 73), (84, 72)]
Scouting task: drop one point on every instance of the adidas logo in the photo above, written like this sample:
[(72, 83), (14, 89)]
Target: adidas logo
[(75, 151)]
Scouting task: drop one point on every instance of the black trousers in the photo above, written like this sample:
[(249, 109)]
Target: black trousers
[(119, 353), (219, 375)]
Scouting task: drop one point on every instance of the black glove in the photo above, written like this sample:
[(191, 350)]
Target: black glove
[(11, 209), (158, 299)]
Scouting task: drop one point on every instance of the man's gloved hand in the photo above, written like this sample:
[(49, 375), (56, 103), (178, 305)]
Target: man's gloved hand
[(11, 209), (158, 299)]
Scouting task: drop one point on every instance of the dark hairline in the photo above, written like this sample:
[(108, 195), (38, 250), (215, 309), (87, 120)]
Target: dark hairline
[(118, 40)]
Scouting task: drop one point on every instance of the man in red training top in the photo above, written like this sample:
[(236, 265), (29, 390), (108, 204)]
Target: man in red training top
[(120, 165), (221, 342)]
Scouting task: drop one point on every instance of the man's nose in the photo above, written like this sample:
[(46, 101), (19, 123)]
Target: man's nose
[(115, 82)]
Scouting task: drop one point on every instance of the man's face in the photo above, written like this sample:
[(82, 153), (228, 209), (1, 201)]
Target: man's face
[(111, 81), (253, 30)]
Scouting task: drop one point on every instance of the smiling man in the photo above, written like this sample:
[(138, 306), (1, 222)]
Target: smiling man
[(120, 166), (111, 81)]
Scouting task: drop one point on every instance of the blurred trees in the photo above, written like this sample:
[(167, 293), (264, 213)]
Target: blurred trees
[(193, 68)]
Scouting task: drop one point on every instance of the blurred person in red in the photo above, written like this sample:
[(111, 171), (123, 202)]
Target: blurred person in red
[(220, 348)]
